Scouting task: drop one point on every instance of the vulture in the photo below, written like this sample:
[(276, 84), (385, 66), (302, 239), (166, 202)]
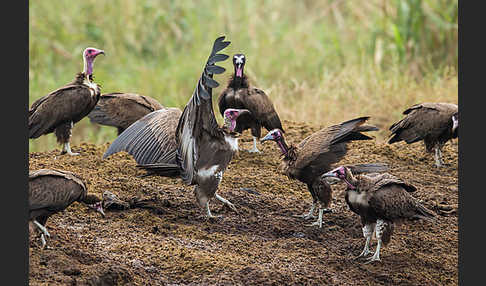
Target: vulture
[(52, 191), (313, 157), (193, 148), (434, 123), (59, 110), (239, 94), (380, 201), (120, 110)]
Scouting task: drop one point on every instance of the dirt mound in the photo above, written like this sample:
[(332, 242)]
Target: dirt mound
[(169, 241)]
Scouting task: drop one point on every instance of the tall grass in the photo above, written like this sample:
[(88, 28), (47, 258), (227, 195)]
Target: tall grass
[(320, 61)]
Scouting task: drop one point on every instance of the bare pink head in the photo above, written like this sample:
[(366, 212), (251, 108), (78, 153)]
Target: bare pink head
[(89, 54)]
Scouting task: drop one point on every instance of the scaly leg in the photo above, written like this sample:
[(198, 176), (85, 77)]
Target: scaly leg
[(226, 202), (379, 229), (67, 149), (254, 149), (308, 215), (42, 228), (208, 211), (367, 233), (438, 157)]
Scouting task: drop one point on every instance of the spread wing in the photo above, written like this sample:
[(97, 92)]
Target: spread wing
[(122, 109), (69, 103), (198, 115), (150, 139), (317, 152)]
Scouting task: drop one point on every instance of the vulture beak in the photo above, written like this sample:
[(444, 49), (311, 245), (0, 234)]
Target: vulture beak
[(243, 111), (98, 207), (101, 52), (267, 137), (330, 174)]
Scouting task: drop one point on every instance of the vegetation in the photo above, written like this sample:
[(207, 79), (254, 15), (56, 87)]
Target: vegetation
[(320, 61)]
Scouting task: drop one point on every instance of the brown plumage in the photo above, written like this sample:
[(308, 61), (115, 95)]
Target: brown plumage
[(59, 110), (120, 110), (197, 150), (434, 123), (239, 94), (52, 191), (380, 201), (315, 155)]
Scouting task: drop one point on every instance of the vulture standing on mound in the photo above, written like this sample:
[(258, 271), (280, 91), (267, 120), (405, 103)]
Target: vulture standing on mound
[(314, 156), (120, 110), (52, 191), (197, 150), (59, 110), (435, 123), (239, 94), (380, 201)]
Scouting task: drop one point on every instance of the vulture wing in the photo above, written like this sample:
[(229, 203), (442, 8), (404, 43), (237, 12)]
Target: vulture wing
[(54, 190), (317, 152), (261, 108), (198, 115), (122, 109), (69, 103), (150, 139), (392, 202), (421, 120)]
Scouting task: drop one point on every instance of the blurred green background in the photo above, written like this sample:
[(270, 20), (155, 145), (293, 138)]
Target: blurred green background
[(320, 61)]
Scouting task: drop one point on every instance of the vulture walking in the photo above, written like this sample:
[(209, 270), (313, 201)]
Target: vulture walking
[(380, 201), (434, 123), (314, 156), (52, 191), (195, 148), (239, 94), (59, 110), (120, 110)]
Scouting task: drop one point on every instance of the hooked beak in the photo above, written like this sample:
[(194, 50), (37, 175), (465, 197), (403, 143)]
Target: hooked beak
[(329, 174), (98, 207), (266, 138), (243, 111), (102, 52)]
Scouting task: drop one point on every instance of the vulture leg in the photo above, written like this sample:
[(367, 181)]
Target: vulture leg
[(208, 212), (67, 149), (63, 135), (438, 156), (380, 228), (367, 233), (310, 214), (254, 149), (42, 228), (43, 241), (226, 202)]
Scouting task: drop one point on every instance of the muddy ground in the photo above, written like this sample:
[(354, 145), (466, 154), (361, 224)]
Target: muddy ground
[(174, 244)]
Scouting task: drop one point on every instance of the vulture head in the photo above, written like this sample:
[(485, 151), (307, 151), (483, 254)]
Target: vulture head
[(93, 202), (343, 173), (230, 116), (455, 124), (89, 55), (239, 64), (277, 136)]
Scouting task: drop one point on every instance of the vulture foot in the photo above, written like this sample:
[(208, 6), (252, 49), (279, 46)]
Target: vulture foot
[(254, 149), (226, 202), (372, 259), (308, 215), (42, 228), (364, 253), (67, 149)]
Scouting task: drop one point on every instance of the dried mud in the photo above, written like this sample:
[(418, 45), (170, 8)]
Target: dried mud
[(261, 244)]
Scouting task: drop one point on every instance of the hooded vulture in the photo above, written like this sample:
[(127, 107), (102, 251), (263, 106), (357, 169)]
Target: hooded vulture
[(434, 123), (195, 148), (380, 201), (120, 110), (314, 156), (59, 110), (52, 191), (239, 94)]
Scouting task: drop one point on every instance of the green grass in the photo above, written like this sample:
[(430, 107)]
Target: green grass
[(320, 61)]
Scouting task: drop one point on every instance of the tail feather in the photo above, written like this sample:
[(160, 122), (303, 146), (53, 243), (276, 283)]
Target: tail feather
[(162, 169)]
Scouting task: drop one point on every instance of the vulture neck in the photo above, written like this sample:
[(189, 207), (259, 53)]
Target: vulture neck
[(283, 147), (238, 82), (88, 67), (351, 181)]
